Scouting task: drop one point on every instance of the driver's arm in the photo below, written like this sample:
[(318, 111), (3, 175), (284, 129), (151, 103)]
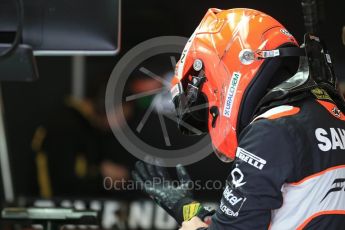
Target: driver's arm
[(264, 162)]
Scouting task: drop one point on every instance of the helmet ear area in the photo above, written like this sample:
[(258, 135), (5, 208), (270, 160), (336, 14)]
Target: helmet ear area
[(271, 73)]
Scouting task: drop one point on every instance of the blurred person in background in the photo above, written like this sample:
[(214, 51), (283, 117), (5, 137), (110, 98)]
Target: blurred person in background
[(76, 150)]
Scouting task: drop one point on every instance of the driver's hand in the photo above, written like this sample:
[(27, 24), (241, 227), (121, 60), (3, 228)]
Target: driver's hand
[(194, 224)]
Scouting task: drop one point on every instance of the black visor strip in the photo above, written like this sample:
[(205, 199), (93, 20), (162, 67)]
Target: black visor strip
[(291, 52)]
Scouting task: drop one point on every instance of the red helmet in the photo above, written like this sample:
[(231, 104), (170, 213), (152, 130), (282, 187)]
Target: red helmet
[(230, 62)]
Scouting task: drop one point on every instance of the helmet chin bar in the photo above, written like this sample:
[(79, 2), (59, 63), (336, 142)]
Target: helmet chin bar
[(221, 156), (315, 70)]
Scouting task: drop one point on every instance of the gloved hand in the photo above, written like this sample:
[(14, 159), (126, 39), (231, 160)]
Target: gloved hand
[(175, 199)]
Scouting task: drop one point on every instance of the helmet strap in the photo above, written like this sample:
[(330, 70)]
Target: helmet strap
[(315, 70)]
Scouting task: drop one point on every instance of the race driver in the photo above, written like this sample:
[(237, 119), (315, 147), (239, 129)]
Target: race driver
[(272, 109)]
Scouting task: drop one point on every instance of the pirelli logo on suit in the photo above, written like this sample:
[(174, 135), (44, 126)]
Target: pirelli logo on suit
[(250, 158)]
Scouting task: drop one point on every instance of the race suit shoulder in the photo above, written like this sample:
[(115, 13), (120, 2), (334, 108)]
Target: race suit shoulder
[(289, 172)]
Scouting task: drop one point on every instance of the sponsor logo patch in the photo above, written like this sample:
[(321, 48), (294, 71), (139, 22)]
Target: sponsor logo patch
[(230, 96), (226, 210), (191, 210), (321, 94), (336, 112), (233, 198), (231, 202), (237, 177), (330, 140), (250, 158), (338, 185)]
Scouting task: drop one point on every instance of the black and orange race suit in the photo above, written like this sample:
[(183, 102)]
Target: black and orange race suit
[(289, 171)]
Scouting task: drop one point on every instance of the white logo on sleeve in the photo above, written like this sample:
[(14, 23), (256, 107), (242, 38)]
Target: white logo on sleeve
[(230, 96), (250, 158), (237, 177), (225, 209), (231, 202), (231, 197)]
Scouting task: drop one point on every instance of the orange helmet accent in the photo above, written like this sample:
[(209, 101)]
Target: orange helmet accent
[(223, 66)]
